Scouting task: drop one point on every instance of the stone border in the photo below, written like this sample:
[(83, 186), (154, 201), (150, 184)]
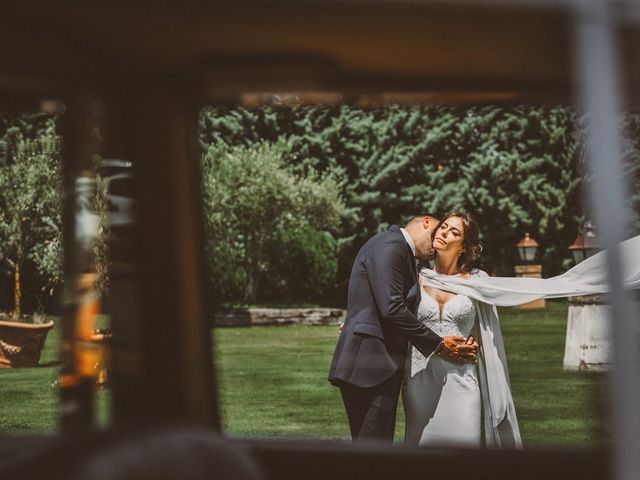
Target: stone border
[(248, 317)]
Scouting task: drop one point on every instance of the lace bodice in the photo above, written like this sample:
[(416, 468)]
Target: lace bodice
[(457, 318)]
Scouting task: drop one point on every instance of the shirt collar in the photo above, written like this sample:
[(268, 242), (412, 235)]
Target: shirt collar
[(409, 240)]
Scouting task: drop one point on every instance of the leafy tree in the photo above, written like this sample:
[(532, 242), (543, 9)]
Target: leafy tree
[(30, 207), (303, 265), (253, 200)]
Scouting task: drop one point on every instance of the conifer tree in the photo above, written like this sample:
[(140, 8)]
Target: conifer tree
[(516, 169)]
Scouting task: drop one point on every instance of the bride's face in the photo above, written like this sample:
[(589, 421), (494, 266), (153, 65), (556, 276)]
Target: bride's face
[(449, 237)]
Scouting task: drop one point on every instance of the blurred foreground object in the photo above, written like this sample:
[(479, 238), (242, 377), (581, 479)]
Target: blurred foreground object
[(178, 452)]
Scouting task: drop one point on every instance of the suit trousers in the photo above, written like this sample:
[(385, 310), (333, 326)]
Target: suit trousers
[(372, 410)]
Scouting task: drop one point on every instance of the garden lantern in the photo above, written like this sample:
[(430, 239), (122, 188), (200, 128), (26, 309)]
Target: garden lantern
[(527, 248), (585, 246), (577, 249)]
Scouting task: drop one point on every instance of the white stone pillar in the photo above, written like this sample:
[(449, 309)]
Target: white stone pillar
[(589, 342)]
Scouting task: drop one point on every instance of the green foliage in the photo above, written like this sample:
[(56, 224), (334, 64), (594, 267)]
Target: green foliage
[(515, 169), (31, 203), (630, 126), (16, 128), (303, 265), (255, 203)]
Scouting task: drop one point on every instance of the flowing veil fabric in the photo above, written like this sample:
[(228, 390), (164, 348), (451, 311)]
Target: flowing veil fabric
[(586, 278), (499, 412)]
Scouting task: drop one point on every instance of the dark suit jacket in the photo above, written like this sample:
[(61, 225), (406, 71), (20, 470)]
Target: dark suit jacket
[(381, 314)]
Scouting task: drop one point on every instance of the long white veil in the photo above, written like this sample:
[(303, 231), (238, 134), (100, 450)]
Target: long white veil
[(586, 278)]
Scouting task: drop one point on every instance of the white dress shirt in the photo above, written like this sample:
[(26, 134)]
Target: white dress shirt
[(409, 240)]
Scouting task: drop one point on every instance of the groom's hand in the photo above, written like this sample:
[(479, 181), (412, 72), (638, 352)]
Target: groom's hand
[(456, 349)]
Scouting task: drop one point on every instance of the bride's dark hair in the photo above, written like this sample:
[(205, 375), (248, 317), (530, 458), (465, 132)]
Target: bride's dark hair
[(470, 241)]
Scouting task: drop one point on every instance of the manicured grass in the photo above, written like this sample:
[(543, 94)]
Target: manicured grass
[(273, 383), (28, 396), (553, 406)]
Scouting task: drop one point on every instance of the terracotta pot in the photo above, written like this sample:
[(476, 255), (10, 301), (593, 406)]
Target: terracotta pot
[(21, 343)]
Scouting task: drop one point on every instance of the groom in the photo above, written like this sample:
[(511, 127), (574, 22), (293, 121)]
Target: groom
[(382, 302)]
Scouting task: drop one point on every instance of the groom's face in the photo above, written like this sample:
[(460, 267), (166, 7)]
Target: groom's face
[(424, 244)]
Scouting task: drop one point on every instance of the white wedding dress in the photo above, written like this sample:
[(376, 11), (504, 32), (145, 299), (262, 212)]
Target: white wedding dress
[(442, 399), (460, 405)]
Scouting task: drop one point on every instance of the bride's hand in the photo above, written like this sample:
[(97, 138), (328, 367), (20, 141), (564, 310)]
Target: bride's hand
[(456, 349), (472, 341)]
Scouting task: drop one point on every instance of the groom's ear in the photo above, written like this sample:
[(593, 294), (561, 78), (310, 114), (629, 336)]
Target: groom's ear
[(429, 220)]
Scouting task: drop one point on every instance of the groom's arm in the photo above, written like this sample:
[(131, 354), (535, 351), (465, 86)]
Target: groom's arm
[(386, 268)]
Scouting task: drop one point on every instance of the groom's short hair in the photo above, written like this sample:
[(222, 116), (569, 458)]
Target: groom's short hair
[(417, 218)]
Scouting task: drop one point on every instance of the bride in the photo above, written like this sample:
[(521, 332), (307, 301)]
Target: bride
[(448, 403)]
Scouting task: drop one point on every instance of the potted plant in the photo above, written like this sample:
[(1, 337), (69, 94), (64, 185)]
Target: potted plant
[(21, 343)]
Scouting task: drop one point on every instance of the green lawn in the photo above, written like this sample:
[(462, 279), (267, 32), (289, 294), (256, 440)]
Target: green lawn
[(28, 400), (553, 406), (273, 383)]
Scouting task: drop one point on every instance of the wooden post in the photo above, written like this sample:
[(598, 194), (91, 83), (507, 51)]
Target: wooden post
[(17, 291), (530, 271)]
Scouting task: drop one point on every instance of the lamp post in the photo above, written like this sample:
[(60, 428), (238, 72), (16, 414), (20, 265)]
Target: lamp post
[(588, 344), (527, 250), (585, 245), (577, 249)]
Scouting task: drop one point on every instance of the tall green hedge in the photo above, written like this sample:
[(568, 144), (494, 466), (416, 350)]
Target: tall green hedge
[(515, 169)]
